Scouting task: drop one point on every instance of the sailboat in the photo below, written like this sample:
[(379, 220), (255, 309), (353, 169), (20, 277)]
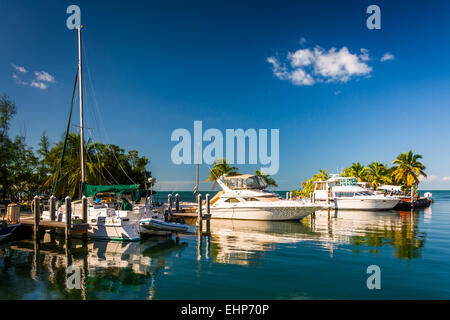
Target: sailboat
[(104, 219)]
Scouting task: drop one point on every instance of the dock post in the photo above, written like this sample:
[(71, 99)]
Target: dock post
[(287, 195), (177, 203), (199, 214), (52, 208), (290, 195), (68, 217), (208, 211), (84, 210), (52, 214), (37, 216), (169, 202), (13, 213)]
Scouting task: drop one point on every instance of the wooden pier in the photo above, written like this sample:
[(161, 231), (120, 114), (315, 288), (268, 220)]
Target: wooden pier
[(68, 226), (191, 211)]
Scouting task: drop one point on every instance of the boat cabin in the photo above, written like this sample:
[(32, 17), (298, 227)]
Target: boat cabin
[(243, 188), (339, 187), (245, 181)]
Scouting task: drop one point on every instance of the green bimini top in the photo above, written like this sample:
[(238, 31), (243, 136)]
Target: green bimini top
[(89, 190)]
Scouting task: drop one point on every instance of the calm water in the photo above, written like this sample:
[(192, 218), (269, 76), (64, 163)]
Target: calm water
[(321, 258)]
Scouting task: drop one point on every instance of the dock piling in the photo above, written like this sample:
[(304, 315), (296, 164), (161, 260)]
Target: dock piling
[(84, 210), (208, 212), (13, 213), (52, 208), (199, 214), (37, 216), (287, 195), (177, 203), (169, 210), (68, 217)]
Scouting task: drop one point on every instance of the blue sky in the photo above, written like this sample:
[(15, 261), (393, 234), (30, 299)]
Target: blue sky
[(158, 66)]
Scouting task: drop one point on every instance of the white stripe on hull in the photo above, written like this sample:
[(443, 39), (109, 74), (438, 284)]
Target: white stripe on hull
[(366, 204)]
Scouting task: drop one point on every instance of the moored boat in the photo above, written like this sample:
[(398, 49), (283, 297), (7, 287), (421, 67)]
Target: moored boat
[(245, 197), (6, 229), (346, 193), (154, 226)]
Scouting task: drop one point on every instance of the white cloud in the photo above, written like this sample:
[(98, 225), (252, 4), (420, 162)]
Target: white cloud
[(308, 66), (41, 78), (44, 76), (16, 77), (364, 54), (387, 56), (300, 77), (38, 84), (19, 68)]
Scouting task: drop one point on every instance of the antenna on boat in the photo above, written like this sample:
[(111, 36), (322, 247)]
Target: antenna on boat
[(80, 85)]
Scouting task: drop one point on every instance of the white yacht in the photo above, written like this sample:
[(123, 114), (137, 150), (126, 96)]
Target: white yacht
[(105, 222), (347, 193), (246, 197)]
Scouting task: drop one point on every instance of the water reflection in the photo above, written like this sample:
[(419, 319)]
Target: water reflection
[(138, 270), (244, 242), (107, 269)]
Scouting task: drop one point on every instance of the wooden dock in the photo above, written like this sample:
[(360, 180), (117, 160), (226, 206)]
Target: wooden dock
[(190, 210), (53, 225), (69, 226)]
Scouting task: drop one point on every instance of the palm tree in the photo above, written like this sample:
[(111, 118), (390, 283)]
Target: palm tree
[(70, 179), (356, 170), (378, 173), (221, 167), (408, 169), (269, 181), (321, 175)]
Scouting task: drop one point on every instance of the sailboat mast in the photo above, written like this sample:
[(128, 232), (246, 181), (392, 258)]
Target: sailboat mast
[(80, 86), (196, 196)]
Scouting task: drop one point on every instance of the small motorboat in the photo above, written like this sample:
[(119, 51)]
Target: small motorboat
[(6, 229), (161, 227)]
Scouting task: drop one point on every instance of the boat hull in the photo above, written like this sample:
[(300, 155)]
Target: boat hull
[(7, 231), (262, 213), (107, 228), (123, 232), (365, 204), (159, 227)]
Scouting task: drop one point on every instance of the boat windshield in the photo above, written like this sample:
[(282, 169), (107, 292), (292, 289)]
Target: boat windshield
[(346, 182), (363, 193), (253, 182)]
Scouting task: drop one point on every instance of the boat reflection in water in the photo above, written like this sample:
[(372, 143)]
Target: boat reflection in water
[(161, 267), (244, 242), (107, 269)]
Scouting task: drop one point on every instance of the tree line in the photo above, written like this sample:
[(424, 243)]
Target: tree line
[(406, 171), (25, 172)]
